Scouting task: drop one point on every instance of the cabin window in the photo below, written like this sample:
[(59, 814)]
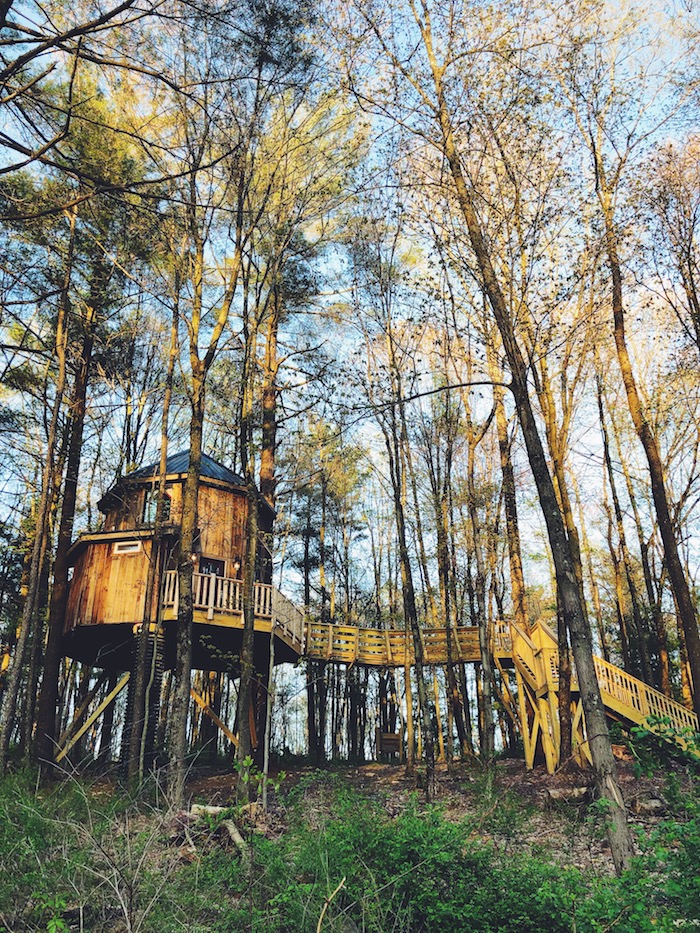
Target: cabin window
[(126, 547), (209, 565), (150, 503)]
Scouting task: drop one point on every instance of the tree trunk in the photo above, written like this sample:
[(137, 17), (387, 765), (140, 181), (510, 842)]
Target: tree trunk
[(592, 581), (40, 545), (180, 690), (597, 730), (624, 551), (140, 708), (243, 710), (409, 603), (676, 575), (654, 593), (268, 440), (46, 714)]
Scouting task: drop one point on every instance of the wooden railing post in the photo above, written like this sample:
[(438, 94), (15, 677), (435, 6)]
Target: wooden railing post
[(211, 595)]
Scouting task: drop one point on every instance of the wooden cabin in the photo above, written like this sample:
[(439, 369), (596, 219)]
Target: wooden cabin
[(106, 604)]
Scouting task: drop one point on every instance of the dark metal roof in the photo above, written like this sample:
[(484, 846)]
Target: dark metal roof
[(179, 463), (176, 464)]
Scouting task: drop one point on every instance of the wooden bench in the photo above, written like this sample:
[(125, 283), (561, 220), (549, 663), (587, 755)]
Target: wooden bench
[(389, 743)]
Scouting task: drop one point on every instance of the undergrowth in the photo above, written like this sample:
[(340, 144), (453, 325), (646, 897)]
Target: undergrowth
[(74, 857)]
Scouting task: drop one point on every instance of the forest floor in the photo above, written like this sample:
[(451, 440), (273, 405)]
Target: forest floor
[(514, 808), (350, 848)]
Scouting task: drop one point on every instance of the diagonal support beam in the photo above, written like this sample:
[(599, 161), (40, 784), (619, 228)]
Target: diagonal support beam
[(80, 711), (208, 711), (99, 709)]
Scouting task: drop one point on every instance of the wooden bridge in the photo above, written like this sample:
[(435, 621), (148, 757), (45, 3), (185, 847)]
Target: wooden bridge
[(533, 656), (394, 647)]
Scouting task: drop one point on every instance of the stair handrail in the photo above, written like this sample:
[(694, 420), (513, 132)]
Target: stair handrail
[(646, 701)]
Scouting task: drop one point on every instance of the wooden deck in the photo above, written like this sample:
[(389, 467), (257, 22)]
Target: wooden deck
[(219, 601)]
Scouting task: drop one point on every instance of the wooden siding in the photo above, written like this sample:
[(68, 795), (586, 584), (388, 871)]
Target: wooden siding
[(221, 520), (222, 516), (107, 587)]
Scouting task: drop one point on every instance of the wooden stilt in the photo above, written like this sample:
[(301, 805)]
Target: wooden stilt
[(80, 711), (208, 711)]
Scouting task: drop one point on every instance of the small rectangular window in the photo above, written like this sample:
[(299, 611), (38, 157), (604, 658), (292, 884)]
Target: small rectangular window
[(209, 565), (126, 547)]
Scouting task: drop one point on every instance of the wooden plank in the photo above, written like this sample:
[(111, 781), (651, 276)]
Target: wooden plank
[(84, 705), (89, 721), (208, 711)]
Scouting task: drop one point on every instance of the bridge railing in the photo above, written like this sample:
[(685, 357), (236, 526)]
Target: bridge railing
[(645, 701), (390, 647), (288, 620), (636, 700)]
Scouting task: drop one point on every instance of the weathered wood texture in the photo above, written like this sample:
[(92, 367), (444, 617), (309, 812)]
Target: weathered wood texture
[(108, 586)]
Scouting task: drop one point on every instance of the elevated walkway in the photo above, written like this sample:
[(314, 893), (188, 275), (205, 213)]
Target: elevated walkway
[(534, 657), (349, 644)]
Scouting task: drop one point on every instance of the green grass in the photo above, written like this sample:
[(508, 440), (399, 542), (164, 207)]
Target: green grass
[(71, 855)]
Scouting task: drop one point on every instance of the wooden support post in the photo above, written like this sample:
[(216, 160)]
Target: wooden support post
[(441, 739), (80, 711), (549, 732), (208, 711), (528, 747), (112, 695), (460, 653), (578, 735), (212, 596), (507, 694)]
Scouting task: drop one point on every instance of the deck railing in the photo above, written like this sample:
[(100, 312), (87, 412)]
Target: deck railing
[(288, 620), (633, 694), (214, 594)]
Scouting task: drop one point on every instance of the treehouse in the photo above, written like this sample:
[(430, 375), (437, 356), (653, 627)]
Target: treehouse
[(107, 608), (107, 598)]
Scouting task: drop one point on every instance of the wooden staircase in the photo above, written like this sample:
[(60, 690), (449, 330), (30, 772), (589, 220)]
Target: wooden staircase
[(626, 699)]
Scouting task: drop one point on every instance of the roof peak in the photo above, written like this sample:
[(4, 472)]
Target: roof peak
[(179, 463)]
